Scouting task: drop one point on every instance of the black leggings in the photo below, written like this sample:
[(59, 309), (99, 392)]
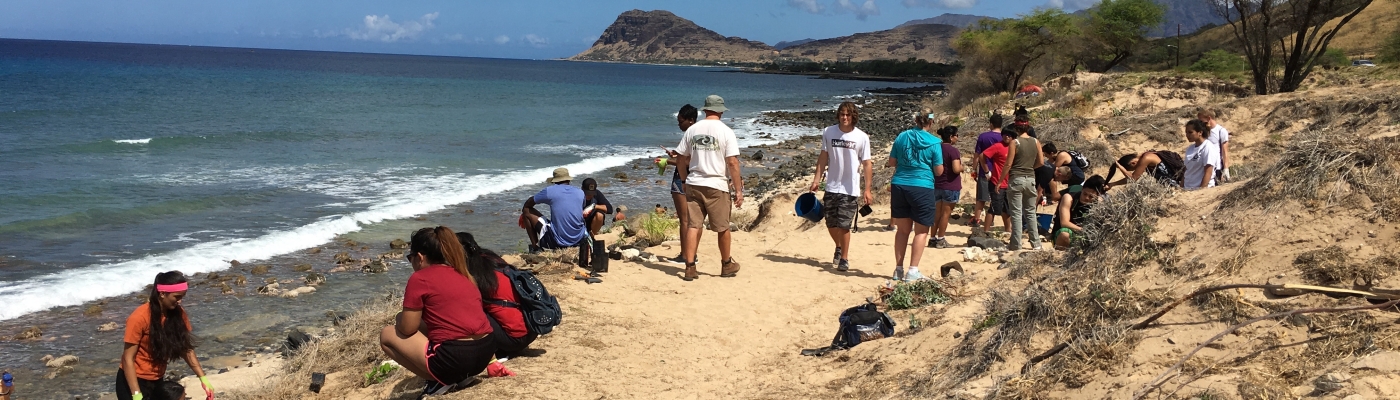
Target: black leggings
[(507, 346), (150, 390)]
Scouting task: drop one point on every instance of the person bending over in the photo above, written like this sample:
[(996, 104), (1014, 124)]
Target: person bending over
[(157, 333), (500, 303), (1069, 217), (1055, 159), (846, 150), (1164, 166), (565, 227), (917, 157), (442, 335)]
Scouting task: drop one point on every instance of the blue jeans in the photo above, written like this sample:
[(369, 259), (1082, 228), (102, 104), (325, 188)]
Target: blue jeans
[(1021, 195)]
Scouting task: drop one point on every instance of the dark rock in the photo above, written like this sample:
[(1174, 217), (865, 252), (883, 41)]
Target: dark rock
[(375, 267), (317, 380), (261, 269), (757, 155), (30, 333), (314, 251), (295, 340), (985, 243), (620, 175), (301, 267), (352, 244), (342, 257), (398, 244), (314, 278)]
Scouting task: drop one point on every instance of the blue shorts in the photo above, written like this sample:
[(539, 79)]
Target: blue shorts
[(947, 196), (677, 186), (913, 202)]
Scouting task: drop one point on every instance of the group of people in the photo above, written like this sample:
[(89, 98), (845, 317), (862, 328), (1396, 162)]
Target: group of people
[(1204, 163)]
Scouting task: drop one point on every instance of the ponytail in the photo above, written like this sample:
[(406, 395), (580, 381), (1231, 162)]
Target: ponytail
[(440, 246), (170, 339), (481, 263), (924, 118)]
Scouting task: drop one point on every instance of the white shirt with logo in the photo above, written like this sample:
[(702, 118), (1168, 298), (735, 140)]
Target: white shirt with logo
[(845, 153), (1197, 157), (708, 143)]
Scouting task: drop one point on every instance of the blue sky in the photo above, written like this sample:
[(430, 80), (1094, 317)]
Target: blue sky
[(508, 29)]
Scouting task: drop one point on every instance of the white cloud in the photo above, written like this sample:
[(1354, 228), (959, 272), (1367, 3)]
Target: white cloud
[(810, 6), (536, 40), (503, 39), (861, 11), (1071, 5), (952, 4), (383, 29)]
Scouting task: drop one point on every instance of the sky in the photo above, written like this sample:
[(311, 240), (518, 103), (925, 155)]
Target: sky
[(531, 29)]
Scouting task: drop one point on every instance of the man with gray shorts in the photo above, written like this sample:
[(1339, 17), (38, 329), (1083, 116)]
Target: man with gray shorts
[(846, 150), (984, 188)]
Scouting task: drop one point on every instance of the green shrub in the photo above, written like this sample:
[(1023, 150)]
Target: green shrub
[(916, 294), (1220, 61), (1335, 58), (1390, 50)]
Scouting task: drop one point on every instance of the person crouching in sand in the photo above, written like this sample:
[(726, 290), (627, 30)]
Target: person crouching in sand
[(442, 335), (508, 328), (156, 333)]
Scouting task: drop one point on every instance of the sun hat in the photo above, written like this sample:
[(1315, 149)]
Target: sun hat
[(714, 103), (560, 175)]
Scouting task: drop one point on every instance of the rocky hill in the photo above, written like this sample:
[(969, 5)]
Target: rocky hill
[(958, 20), (928, 42), (660, 36), (1191, 14), (789, 43)]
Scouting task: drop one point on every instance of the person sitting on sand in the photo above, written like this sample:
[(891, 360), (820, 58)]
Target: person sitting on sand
[(442, 335), (846, 149), (1165, 166), (1069, 217), (917, 157), (710, 152), (156, 333), (947, 187), (565, 227), (684, 119), (1201, 159), (596, 207), (497, 295)]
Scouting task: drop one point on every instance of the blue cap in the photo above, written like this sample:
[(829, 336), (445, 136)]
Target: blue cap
[(7, 378)]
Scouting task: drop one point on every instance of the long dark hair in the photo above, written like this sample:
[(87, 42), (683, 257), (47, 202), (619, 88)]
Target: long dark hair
[(1123, 162), (439, 246), (170, 338), (481, 263)]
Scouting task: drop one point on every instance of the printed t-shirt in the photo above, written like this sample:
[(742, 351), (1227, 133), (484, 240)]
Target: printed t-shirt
[(1197, 157), (1218, 135), (845, 152), (565, 212), (451, 304), (996, 161), (138, 332), (510, 318), (949, 180), (708, 143), (916, 153), (985, 140)]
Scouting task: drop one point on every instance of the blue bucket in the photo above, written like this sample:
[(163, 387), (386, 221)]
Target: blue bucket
[(1046, 221), (809, 207)]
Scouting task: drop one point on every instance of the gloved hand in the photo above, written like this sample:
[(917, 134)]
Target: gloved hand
[(208, 388), (1225, 174), (498, 370), (136, 396)]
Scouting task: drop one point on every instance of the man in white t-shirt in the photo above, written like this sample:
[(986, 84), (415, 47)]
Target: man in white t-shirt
[(1200, 157), (711, 152), (846, 150), (1221, 138)]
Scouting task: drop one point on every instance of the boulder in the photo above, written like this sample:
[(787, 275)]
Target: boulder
[(295, 340), (757, 155), (985, 243), (291, 294), (269, 289), (342, 257), (260, 269), (235, 264), (375, 267), (630, 254), (63, 361), (398, 244), (314, 278), (224, 288), (240, 280), (1331, 382), (29, 333), (107, 327), (301, 267)]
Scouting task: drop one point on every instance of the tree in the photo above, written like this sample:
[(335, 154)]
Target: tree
[(1390, 51), (1117, 29), (1005, 49), (1298, 31)]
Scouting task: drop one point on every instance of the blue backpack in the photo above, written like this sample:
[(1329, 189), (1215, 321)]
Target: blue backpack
[(541, 310)]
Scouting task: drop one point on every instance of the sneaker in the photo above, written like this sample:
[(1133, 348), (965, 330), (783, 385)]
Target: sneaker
[(1037, 247), (436, 388), (889, 228), (943, 243), (844, 266), (535, 249), (898, 273), (933, 242), (836, 258), (913, 274)]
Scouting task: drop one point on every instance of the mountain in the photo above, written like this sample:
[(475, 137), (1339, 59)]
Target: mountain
[(1191, 14), (660, 36), (931, 43), (786, 44), (958, 20)]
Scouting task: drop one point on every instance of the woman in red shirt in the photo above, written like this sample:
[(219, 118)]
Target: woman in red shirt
[(442, 334), (497, 292), (156, 333)]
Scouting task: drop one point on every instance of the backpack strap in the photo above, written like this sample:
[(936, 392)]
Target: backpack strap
[(510, 304)]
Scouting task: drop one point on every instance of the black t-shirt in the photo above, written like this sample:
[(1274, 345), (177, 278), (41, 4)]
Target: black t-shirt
[(596, 197)]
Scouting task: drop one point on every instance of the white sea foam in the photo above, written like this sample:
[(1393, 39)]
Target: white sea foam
[(402, 198), (133, 141)]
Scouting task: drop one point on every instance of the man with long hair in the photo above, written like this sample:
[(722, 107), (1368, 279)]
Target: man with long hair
[(846, 150)]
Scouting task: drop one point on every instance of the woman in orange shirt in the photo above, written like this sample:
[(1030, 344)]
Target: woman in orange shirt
[(156, 333)]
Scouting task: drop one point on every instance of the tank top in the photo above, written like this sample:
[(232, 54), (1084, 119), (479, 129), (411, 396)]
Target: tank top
[(1024, 164)]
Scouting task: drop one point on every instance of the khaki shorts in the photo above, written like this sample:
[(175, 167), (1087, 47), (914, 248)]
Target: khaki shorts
[(702, 201)]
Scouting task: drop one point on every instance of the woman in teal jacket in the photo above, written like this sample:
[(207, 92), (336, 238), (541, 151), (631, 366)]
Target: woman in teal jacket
[(917, 156)]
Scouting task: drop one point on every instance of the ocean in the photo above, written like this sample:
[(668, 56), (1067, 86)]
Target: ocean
[(118, 161)]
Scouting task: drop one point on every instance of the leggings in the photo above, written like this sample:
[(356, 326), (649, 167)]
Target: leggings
[(150, 390)]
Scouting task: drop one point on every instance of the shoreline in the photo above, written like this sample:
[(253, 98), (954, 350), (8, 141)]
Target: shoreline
[(263, 321)]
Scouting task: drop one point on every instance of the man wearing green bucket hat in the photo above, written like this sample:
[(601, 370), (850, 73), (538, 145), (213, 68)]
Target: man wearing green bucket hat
[(710, 153), (846, 151)]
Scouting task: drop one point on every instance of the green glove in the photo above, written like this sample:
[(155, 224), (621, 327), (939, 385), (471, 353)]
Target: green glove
[(136, 396), (208, 388)]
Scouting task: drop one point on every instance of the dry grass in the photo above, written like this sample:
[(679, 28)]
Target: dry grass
[(1332, 265), (353, 347), (1065, 134), (1325, 169)]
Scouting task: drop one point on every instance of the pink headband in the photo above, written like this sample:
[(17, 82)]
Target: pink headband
[(178, 287)]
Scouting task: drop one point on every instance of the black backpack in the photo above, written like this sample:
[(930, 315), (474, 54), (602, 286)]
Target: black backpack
[(540, 309), (860, 324), (1079, 160), (1176, 166)]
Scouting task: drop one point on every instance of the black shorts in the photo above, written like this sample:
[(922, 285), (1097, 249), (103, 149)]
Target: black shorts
[(999, 205), (839, 209), (151, 390), (913, 202), (456, 360), (507, 346)]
